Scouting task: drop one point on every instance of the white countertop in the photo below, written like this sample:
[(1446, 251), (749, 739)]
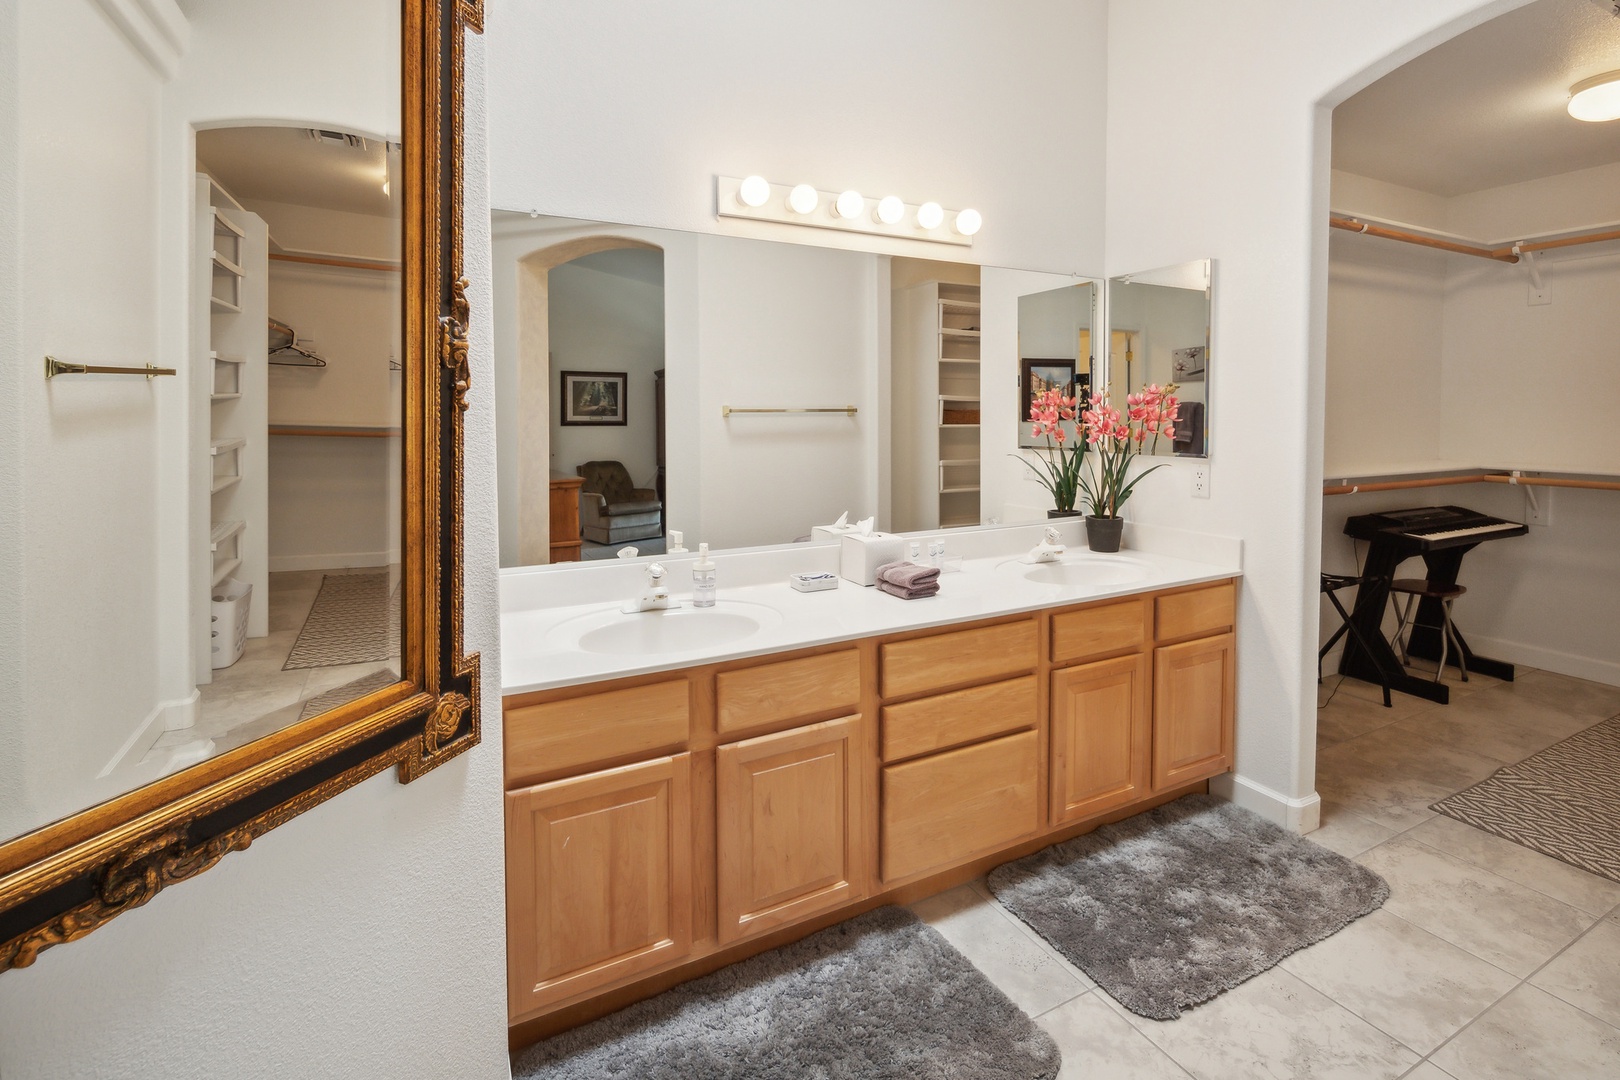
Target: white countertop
[(545, 610)]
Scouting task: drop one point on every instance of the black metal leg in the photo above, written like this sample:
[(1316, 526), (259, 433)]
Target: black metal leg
[(1355, 632), (1367, 656), (1443, 567)]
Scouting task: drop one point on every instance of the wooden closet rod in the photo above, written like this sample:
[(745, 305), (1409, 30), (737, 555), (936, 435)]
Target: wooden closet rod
[(1568, 241), (1549, 481), (1352, 225), (352, 264), (1481, 478)]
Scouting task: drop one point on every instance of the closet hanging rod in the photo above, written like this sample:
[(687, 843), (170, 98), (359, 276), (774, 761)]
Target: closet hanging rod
[(1568, 241), (55, 367), (1479, 478), (352, 264), (1368, 229), (847, 410)]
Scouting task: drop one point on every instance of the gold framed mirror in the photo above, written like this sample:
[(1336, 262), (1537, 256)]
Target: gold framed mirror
[(157, 373)]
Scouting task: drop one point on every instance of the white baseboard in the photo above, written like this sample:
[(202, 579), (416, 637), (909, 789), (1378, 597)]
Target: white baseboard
[(1295, 815), (342, 561), (165, 716), (1563, 663)]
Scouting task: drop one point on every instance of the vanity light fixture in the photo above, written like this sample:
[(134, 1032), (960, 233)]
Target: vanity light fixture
[(1596, 99), (758, 199), (754, 191), (803, 199)]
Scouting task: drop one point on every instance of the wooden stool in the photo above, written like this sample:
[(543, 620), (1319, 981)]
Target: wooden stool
[(1413, 590)]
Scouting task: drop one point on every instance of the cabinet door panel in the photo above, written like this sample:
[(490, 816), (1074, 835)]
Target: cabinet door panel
[(1102, 733), (1193, 697), (599, 875), (787, 827)]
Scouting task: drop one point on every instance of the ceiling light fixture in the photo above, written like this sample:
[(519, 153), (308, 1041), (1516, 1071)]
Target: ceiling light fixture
[(803, 199), (754, 191), (1596, 99)]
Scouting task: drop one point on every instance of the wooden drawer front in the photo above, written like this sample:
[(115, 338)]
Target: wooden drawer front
[(966, 656), (1097, 631), (935, 723), (1204, 611), (1193, 698), (561, 735), (945, 808), (787, 835), (1102, 735), (788, 690), (599, 879)]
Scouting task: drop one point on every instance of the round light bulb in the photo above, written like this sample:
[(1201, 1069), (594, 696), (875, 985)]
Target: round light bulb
[(849, 205), (754, 190), (968, 222), (890, 209), (930, 215), (1597, 99), (803, 199)]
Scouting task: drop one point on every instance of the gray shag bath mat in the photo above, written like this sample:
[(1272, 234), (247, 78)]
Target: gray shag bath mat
[(1172, 907), (1563, 802), (354, 620), (880, 997)]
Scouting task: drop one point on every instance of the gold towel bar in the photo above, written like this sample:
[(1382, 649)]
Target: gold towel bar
[(55, 367), (847, 410)]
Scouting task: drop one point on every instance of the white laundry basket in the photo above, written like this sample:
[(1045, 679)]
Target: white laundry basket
[(227, 622)]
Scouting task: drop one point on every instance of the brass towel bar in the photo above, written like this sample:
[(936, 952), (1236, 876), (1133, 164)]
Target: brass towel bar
[(55, 367), (847, 410)]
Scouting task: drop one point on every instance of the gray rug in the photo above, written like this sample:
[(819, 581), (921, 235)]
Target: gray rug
[(340, 695), (1169, 908), (1563, 802), (880, 997), (354, 620)]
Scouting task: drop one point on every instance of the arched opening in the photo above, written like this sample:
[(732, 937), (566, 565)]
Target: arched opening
[(621, 300)]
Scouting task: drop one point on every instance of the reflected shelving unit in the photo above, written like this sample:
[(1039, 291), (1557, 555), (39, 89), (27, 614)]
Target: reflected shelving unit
[(957, 334), (937, 408)]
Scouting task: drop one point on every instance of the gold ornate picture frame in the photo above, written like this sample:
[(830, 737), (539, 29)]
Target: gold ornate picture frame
[(65, 879)]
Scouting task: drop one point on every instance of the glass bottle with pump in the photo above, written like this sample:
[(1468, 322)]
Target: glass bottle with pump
[(703, 578)]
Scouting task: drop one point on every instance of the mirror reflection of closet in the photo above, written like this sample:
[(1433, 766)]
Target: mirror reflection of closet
[(1160, 334), (298, 232)]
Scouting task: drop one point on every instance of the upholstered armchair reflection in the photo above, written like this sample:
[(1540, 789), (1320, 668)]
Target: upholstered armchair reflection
[(612, 509)]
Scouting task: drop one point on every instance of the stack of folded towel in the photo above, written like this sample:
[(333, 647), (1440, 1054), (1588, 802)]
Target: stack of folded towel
[(907, 580)]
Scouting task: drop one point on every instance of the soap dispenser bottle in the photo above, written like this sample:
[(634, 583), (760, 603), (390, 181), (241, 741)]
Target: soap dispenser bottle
[(703, 579)]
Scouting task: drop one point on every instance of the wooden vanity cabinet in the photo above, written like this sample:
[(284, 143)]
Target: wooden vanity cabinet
[(1102, 737), (1194, 684)]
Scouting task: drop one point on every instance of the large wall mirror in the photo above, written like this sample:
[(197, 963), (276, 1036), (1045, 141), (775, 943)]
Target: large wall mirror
[(242, 357), (1159, 331), (740, 391)]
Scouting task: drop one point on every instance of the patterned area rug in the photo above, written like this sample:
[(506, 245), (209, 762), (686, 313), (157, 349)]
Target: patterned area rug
[(880, 997), (1563, 802), (1169, 908), (354, 620), (347, 692)]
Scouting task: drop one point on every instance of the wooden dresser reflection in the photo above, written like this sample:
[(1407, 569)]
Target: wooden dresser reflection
[(565, 517)]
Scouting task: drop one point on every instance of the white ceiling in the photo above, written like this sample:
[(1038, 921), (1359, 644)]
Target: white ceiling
[(1486, 108), (285, 165)]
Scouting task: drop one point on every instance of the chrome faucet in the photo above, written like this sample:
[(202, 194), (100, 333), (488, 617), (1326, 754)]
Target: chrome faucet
[(656, 596), (1048, 549)]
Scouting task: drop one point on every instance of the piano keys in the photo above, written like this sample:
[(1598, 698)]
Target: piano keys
[(1441, 536)]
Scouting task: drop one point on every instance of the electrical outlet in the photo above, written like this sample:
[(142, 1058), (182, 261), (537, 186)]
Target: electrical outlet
[(1538, 506), (1200, 481)]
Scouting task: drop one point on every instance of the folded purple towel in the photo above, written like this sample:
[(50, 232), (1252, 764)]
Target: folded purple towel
[(907, 575), (904, 593)]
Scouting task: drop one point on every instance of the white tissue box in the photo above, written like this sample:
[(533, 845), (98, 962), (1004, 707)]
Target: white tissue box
[(860, 555), (827, 533)]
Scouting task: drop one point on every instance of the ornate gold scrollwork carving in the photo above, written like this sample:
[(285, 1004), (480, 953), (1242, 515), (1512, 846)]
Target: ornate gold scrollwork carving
[(453, 344)]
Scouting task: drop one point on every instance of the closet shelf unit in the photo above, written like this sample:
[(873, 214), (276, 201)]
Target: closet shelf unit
[(956, 360)]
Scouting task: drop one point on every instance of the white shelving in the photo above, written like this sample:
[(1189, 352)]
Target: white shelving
[(225, 542), (937, 408), (956, 356)]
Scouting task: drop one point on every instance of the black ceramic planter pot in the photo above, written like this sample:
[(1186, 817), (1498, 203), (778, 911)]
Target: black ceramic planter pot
[(1062, 513), (1103, 533)]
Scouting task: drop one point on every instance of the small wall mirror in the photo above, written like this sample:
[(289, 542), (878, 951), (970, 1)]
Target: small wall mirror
[(1054, 348), (1159, 333)]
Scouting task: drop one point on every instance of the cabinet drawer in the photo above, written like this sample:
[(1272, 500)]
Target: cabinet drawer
[(945, 720), (945, 808), (788, 690), (1096, 631), (1203, 611), (965, 656), (560, 736)]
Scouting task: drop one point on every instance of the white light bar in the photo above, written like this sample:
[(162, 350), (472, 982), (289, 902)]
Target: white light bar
[(825, 215)]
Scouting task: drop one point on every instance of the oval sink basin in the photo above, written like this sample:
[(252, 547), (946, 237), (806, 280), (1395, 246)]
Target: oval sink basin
[(1085, 571), (679, 629)]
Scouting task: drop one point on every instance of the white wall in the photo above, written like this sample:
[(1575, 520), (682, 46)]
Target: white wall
[(364, 938), (1183, 86), (603, 321)]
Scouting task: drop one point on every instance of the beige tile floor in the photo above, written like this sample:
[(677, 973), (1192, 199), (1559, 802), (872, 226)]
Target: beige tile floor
[(1489, 960), (254, 696)]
